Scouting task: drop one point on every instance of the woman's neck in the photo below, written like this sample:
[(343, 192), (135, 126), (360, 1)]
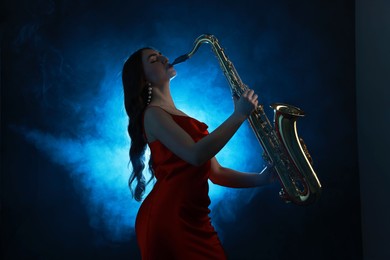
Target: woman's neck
[(162, 98)]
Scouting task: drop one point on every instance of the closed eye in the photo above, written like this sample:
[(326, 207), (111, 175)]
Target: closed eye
[(153, 57)]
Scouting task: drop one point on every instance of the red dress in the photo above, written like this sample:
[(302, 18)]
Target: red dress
[(173, 222)]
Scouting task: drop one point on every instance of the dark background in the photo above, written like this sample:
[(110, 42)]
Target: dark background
[(304, 48)]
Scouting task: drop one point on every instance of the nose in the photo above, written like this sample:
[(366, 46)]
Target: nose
[(163, 59)]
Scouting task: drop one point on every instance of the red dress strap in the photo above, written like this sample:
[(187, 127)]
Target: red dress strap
[(143, 118)]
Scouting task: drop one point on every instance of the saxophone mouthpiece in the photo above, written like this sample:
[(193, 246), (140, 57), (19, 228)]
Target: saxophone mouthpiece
[(181, 59)]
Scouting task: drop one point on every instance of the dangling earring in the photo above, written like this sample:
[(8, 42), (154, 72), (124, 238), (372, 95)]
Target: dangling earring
[(149, 93)]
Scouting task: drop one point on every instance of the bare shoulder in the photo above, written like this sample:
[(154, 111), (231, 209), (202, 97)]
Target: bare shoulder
[(155, 119), (155, 114)]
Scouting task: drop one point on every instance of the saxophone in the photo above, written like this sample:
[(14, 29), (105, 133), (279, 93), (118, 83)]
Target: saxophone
[(281, 145)]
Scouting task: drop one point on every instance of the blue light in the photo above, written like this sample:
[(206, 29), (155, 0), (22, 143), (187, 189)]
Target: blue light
[(99, 160)]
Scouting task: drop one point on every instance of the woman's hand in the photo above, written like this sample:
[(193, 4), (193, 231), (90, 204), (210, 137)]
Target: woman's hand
[(245, 105), (234, 179)]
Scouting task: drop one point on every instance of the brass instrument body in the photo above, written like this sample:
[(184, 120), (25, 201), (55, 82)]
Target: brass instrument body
[(282, 147)]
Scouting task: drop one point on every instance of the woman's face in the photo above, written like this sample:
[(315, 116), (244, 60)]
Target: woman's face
[(156, 67)]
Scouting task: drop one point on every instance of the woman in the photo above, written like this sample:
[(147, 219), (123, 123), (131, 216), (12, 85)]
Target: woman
[(173, 221)]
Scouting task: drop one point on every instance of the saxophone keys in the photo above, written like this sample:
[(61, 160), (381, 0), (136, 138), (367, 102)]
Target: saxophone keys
[(283, 195), (266, 157)]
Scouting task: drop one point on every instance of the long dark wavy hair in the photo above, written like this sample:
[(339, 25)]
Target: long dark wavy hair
[(135, 95)]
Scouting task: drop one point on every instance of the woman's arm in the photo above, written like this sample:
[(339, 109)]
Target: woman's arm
[(235, 179), (160, 125)]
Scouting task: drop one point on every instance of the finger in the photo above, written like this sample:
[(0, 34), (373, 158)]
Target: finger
[(245, 94)]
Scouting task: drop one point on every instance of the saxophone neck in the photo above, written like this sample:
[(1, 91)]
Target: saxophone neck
[(204, 38)]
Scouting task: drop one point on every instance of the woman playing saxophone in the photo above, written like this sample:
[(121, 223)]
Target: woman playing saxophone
[(173, 221)]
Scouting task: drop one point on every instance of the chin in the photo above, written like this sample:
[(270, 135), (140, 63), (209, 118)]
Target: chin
[(172, 75)]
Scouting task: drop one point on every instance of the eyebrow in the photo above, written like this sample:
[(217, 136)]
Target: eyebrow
[(153, 54)]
